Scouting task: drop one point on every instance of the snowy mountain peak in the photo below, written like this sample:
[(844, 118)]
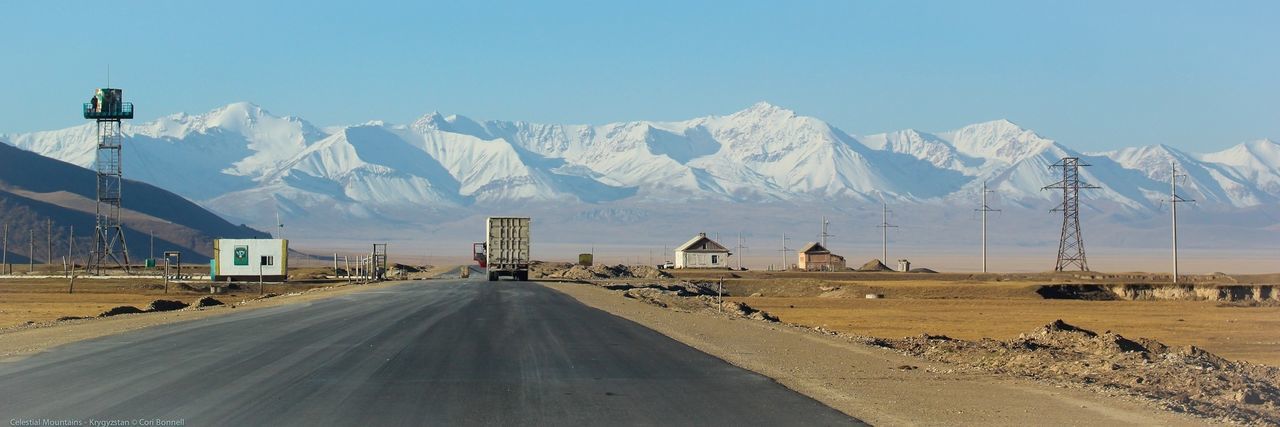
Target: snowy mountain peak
[(452, 123), (1258, 153), (764, 109), (997, 139)]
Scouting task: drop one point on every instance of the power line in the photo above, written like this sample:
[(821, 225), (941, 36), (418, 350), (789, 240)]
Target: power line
[(1174, 199), (784, 251), (822, 236), (742, 245), (1071, 243), (984, 209), (884, 228)]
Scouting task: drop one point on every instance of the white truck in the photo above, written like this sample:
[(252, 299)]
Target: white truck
[(507, 247)]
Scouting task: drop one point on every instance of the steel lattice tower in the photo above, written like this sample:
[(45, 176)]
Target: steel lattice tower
[(108, 109), (1071, 245)]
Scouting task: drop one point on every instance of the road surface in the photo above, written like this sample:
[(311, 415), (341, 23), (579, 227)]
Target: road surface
[(428, 352)]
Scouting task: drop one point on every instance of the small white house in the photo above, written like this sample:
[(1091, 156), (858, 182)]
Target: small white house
[(702, 252), (248, 259)]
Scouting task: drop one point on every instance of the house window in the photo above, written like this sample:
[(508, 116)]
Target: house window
[(715, 259), (268, 260)]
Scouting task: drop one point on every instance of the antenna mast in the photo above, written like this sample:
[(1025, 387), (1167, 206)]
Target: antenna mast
[(984, 209), (1174, 199), (1071, 244)]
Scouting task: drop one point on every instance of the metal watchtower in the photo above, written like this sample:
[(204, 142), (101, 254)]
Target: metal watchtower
[(108, 108)]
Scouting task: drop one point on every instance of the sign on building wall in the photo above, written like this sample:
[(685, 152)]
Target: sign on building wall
[(241, 255)]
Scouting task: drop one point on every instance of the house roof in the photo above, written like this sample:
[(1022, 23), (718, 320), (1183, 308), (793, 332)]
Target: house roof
[(814, 247), (696, 244)]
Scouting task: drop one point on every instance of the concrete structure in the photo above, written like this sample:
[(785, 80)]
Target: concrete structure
[(815, 257), (702, 252), (249, 259)]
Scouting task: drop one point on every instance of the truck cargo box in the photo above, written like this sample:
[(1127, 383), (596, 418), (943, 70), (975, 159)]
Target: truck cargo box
[(507, 247)]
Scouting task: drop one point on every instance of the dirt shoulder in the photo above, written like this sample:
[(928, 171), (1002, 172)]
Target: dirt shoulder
[(876, 384), (20, 342)]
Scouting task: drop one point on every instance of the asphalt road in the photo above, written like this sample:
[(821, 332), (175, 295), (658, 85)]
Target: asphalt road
[(430, 352)]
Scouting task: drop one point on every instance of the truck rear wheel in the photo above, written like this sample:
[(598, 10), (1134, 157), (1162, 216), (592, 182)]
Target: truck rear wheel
[(522, 276), (493, 277)]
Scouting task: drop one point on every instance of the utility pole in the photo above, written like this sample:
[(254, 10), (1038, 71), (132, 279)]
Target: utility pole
[(784, 251), (884, 229), (1071, 244), (31, 251), (279, 225), (822, 237), (984, 209), (740, 247), (153, 245), (1174, 199)]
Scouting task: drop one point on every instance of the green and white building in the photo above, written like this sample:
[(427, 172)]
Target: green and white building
[(249, 259)]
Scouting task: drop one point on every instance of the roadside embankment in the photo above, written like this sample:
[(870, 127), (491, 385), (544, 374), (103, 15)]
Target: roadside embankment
[(877, 384)]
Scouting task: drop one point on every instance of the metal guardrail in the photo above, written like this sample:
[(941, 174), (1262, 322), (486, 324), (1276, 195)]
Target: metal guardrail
[(124, 112)]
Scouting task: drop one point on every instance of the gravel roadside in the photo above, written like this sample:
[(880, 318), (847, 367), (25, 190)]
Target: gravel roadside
[(875, 384)]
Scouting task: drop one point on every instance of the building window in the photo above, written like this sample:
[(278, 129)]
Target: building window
[(715, 259), (268, 260)]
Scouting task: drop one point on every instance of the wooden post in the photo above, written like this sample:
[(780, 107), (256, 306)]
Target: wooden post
[(6, 249), (48, 243), (720, 295)]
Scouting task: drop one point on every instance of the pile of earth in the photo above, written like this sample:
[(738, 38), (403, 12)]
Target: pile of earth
[(166, 305), (689, 297), (407, 268), (1184, 379), (595, 272), (155, 306), (874, 265)]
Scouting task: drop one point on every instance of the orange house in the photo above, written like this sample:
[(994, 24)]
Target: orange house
[(815, 257)]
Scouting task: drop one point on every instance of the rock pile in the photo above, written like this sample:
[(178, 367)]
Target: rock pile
[(690, 297), (1186, 378), (596, 272)]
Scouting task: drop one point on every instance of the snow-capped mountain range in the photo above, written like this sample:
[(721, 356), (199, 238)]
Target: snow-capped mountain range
[(235, 158)]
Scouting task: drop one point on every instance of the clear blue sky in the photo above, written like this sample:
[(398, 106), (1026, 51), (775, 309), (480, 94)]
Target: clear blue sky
[(1095, 75)]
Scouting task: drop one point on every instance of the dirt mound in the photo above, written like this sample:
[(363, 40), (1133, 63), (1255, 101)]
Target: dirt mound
[(874, 265), (1185, 379), (206, 302), (165, 305), (690, 297), (124, 309), (597, 272), (922, 270), (406, 268), (681, 289)]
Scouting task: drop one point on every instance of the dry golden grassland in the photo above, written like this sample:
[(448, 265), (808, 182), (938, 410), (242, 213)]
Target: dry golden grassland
[(44, 300)]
